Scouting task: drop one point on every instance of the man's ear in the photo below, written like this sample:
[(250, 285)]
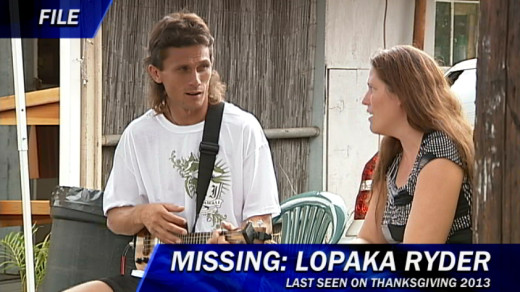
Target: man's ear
[(154, 73)]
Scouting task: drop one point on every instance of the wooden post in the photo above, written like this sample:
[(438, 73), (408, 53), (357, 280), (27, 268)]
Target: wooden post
[(419, 24), (91, 96), (497, 133)]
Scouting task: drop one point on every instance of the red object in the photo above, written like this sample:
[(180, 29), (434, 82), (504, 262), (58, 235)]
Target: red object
[(365, 189), (122, 266)]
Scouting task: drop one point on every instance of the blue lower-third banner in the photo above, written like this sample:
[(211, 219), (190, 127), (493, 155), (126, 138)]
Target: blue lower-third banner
[(279, 267)]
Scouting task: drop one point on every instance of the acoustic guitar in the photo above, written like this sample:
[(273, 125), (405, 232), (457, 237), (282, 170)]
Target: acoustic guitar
[(145, 242)]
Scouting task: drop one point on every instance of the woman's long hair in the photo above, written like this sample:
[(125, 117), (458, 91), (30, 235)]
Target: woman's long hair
[(180, 29), (425, 95)]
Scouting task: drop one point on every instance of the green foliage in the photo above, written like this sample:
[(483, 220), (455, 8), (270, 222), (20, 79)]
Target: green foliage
[(12, 256)]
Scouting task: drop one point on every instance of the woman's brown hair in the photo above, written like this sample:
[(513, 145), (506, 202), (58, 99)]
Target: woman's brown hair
[(425, 95)]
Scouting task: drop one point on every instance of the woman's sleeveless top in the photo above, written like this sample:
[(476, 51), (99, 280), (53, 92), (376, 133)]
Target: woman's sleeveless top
[(399, 203)]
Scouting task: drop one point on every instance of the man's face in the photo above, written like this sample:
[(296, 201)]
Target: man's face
[(185, 75)]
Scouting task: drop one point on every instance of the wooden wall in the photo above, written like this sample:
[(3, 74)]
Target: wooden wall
[(264, 52), (497, 130)]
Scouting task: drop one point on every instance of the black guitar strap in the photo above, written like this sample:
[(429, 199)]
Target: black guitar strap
[(208, 151)]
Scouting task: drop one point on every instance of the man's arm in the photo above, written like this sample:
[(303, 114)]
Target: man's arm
[(158, 219)]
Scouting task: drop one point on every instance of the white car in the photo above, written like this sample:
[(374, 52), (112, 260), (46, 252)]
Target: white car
[(463, 79)]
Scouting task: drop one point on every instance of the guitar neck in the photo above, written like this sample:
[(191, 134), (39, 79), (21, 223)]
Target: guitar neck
[(145, 242), (195, 238)]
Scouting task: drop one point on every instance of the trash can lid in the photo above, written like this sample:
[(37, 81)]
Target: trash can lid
[(81, 199)]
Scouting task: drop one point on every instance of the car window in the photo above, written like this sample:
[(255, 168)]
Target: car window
[(453, 76)]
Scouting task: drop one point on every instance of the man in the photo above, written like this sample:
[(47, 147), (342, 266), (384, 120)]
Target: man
[(154, 176)]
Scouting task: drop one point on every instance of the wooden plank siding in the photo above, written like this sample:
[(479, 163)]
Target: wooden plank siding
[(497, 130), (264, 52)]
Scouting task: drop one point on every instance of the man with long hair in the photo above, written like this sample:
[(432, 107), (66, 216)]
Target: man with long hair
[(153, 181)]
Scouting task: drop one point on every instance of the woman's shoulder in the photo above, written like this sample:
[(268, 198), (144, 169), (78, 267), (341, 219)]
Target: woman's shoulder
[(439, 145)]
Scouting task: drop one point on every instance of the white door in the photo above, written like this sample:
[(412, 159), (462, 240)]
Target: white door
[(350, 144)]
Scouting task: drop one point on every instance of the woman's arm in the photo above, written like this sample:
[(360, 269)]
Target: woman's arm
[(434, 203), (371, 230)]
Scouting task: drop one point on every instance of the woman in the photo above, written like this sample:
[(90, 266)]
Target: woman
[(422, 183)]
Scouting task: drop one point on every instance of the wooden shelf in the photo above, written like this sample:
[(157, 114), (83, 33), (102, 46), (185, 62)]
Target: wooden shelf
[(43, 108), (11, 213), (33, 98)]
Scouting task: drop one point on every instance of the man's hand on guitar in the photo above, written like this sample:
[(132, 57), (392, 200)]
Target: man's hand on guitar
[(251, 232), (218, 237), (162, 223)]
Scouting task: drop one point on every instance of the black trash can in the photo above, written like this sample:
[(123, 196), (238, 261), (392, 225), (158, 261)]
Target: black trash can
[(82, 248)]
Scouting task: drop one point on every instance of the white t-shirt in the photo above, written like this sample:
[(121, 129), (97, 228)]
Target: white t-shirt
[(156, 161)]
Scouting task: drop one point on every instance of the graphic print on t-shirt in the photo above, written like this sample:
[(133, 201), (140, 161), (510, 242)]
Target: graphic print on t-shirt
[(218, 188)]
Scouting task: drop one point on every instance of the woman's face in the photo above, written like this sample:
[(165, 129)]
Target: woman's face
[(383, 106)]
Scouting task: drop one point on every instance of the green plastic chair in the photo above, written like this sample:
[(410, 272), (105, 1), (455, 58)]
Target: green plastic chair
[(313, 217)]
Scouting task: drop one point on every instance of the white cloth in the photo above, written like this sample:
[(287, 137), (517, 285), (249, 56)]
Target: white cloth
[(156, 161)]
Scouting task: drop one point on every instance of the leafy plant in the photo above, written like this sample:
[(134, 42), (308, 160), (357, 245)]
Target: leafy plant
[(12, 256)]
